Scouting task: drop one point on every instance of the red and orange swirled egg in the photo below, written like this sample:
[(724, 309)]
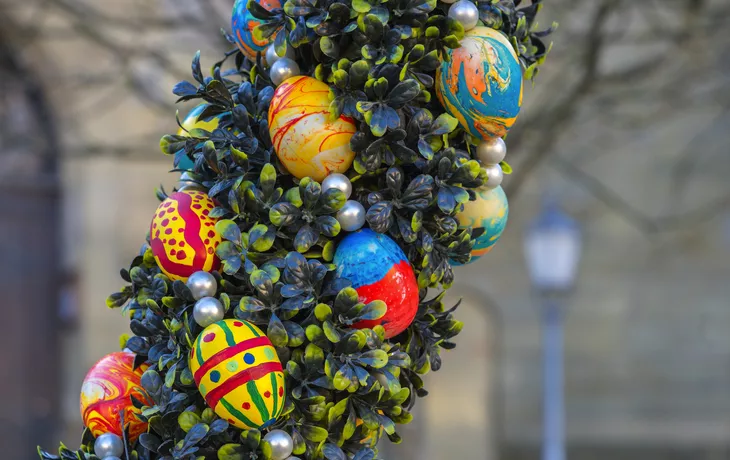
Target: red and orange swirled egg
[(106, 395), (183, 235), (306, 141), (238, 373)]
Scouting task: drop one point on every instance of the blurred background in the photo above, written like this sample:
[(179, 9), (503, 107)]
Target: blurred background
[(627, 128)]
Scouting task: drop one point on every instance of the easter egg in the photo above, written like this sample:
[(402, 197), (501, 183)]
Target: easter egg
[(379, 270), (488, 213), (481, 84), (243, 23), (183, 236), (238, 373), (194, 121), (306, 141), (106, 396)]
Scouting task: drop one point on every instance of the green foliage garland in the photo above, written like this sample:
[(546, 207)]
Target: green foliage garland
[(413, 169)]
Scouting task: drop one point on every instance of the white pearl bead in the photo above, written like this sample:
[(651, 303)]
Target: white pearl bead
[(272, 56), (338, 181), (281, 443), (494, 176), (207, 311), (283, 69), (202, 284), (492, 151), (466, 13), (108, 445), (351, 216)]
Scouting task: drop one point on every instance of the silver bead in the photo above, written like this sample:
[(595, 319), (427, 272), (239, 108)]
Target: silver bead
[(465, 12), (293, 458), (281, 443), (338, 181), (108, 445), (187, 182), (272, 56), (207, 311), (351, 216), (111, 458), (494, 176), (282, 69), (448, 1), (202, 284), (491, 152)]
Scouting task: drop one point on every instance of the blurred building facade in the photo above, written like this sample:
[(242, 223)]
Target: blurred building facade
[(647, 335)]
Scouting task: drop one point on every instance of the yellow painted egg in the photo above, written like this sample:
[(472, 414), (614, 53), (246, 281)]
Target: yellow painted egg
[(238, 373), (307, 143), (183, 235), (194, 121), (106, 396)]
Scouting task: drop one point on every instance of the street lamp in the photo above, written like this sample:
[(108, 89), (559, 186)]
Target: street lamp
[(552, 249)]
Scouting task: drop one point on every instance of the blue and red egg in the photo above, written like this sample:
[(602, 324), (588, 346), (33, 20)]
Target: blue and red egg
[(379, 270)]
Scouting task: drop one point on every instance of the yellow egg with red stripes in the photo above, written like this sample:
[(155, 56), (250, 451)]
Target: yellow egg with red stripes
[(238, 373), (183, 235)]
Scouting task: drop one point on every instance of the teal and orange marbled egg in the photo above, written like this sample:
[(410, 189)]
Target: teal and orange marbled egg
[(183, 235), (488, 215), (481, 83), (306, 141), (243, 23), (238, 373)]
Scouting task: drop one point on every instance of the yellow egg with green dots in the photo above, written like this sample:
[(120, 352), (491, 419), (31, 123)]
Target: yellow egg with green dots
[(237, 371)]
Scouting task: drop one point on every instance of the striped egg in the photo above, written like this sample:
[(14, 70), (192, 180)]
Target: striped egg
[(182, 235), (238, 373)]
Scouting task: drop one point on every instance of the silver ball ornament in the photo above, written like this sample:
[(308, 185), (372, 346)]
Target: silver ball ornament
[(282, 69), (491, 152), (466, 13), (494, 176), (202, 284), (351, 216), (111, 458), (108, 445), (293, 458), (272, 56), (281, 443), (448, 1), (207, 311), (187, 182), (338, 181)]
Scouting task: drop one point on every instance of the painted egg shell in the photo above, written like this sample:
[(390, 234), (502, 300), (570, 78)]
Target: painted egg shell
[(238, 373), (481, 85), (107, 392), (183, 237), (489, 213), (306, 142), (243, 23), (379, 270), (193, 121)]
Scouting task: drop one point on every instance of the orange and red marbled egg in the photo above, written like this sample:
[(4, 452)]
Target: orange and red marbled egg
[(183, 235), (107, 392), (306, 141)]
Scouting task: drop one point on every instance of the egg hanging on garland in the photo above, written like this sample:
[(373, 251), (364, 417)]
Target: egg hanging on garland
[(183, 235), (238, 373), (305, 140), (379, 270), (481, 83), (487, 214), (243, 24), (192, 121), (106, 396)]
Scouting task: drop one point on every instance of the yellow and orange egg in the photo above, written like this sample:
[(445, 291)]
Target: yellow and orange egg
[(306, 141), (183, 235)]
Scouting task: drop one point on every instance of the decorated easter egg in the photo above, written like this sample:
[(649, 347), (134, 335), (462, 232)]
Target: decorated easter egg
[(194, 121), (106, 396), (243, 23), (379, 270), (238, 373), (183, 235), (306, 141), (481, 83), (487, 215)]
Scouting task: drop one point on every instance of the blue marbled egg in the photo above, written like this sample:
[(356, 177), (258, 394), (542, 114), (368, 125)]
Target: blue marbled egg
[(243, 23), (481, 84), (489, 213)]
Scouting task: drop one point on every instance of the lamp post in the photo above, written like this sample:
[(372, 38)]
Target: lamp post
[(552, 249)]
